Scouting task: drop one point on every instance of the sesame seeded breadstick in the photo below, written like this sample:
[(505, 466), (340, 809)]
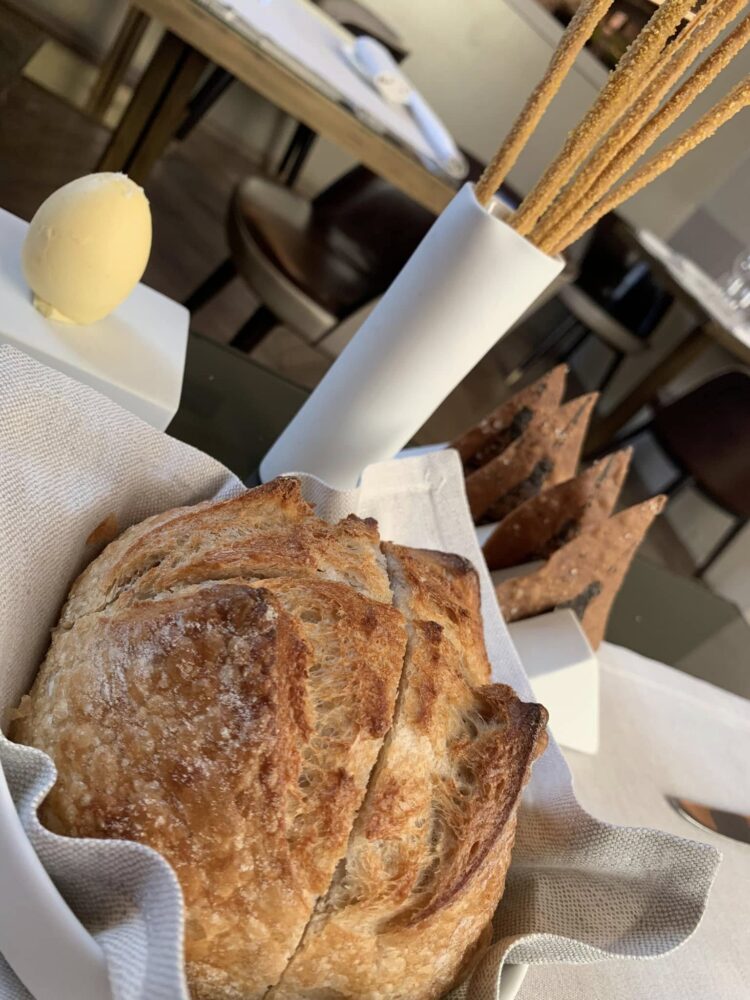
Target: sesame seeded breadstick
[(574, 37), (706, 73), (707, 26), (735, 101), (622, 86)]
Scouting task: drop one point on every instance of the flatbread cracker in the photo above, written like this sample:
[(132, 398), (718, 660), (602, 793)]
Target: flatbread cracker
[(584, 575), (546, 454), (509, 420), (546, 522)]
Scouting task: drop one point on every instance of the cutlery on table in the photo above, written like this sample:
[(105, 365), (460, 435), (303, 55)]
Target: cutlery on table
[(721, 821)]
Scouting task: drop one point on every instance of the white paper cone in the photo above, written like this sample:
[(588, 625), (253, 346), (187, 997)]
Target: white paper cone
[(468, 282)]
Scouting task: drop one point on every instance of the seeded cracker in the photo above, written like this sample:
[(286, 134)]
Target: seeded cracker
[(510, 419), (546, 522), (585, 574), (546, 454)]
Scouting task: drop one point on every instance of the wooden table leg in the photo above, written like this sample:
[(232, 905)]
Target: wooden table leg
[(155, 110), (170, 114), (19, 41), (116, 63), (646, 391)]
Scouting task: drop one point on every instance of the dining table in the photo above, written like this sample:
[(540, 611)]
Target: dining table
[(201, 33), (716, 321), (673, 720)]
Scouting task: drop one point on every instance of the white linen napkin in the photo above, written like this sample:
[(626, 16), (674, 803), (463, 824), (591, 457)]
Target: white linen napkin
[(579, 890), (377, 65)]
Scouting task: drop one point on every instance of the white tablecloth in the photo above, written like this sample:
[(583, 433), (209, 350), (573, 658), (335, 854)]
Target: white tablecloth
[(699, 284), (666, 732)]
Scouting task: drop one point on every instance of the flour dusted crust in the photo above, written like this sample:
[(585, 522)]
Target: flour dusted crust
[(192, 723), (266, 532), (544, 455), (301, 722), (430, 848)]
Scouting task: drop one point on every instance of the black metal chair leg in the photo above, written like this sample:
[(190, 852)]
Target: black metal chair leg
[(204, 100), (570, 351), (618, 442), (612, 370), (723, 544), (255, 330), (677, 485), (213, 284), (296, 153)]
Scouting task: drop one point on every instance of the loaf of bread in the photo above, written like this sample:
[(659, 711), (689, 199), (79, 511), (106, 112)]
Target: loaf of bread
[(301, 720)]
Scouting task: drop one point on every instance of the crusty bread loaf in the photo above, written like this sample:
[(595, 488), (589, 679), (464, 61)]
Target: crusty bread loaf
[(193, 723), (428, 854), (223, 686)]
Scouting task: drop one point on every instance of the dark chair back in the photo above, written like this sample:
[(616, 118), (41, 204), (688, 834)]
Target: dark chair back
[(706, 432), (611, 274), (372, 225)]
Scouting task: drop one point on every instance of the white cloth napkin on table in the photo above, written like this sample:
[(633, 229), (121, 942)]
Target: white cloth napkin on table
[(376, 64), (579, 890)]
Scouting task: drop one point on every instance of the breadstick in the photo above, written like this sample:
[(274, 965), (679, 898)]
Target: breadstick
[(703, 129), (575, 36), (708, 25), (622, 85), (706, 73)]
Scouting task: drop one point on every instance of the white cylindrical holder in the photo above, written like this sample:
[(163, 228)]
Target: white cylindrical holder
[(468, 282)]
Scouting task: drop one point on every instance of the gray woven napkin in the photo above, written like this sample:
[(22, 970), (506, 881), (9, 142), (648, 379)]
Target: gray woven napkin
[(579, 890)]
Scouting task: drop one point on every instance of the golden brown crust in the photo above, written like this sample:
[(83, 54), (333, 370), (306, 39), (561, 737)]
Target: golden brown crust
[(585, 574), (429, 851), (230, 687), (546, 454), (444, 588), (495, 432), (266, 532), (232, 726), (547, 521)]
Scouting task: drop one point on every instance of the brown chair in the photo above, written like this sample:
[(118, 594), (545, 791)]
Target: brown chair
[(314, 263), (705, 434)]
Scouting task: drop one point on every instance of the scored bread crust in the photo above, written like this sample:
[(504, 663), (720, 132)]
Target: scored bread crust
[(430, 848), (193, 723), (265, 532), (220, 687)]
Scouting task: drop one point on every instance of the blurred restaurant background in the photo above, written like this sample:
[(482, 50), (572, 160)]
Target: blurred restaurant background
[(282, 214)]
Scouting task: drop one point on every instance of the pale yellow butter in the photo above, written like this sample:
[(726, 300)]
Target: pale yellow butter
[(87, 247)]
